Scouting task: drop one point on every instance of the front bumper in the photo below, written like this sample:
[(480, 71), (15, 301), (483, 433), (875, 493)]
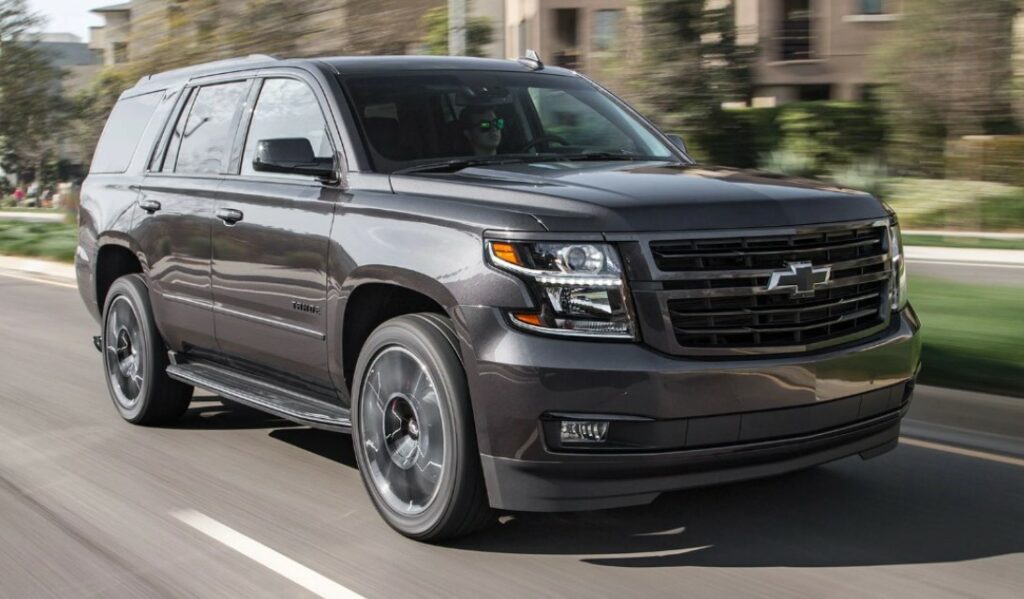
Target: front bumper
[(687, 422)]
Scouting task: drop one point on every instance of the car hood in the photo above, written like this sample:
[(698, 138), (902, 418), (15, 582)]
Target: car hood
[(644, 196)]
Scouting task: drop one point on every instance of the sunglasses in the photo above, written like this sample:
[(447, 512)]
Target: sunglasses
[(498, 124)]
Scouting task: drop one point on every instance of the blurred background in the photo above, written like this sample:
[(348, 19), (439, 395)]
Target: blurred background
[(920, 102)]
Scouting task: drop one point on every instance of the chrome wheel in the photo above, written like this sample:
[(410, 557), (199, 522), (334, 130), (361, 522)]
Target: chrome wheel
[(124, 352), (402, 421)]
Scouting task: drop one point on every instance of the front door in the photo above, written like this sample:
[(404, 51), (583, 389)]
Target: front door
[(270, 241)]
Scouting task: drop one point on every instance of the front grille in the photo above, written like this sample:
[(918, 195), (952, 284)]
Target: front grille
[(718, 296)]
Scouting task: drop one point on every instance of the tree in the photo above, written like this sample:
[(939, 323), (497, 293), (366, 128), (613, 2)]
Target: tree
[(32, 110), (683, 62), (947, 72), (479, 33)]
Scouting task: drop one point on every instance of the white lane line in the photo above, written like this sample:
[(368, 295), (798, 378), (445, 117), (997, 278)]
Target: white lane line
[(971, 453), (38, 280), (265, 556)]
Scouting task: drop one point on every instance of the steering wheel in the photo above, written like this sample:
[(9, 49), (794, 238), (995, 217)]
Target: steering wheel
[(544, 139)]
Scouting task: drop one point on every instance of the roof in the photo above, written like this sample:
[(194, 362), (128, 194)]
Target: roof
[(376, 64), (344, 65), (122, 7)]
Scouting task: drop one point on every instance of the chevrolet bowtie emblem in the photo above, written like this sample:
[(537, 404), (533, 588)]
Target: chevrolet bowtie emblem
[(801, 279)]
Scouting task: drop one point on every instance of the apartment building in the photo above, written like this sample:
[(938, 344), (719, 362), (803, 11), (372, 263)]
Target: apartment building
[(576, 34), (813, 49), (111, 40)]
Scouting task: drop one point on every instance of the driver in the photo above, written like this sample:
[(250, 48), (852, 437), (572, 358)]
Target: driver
[(482, 128)]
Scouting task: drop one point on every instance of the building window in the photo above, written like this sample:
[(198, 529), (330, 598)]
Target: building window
[(120, 52), (870, 7), (795, 30), (607, 29), (565, 50), (814, 93)]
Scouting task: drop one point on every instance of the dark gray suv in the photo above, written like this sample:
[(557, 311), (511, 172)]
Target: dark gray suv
[(512, 290)]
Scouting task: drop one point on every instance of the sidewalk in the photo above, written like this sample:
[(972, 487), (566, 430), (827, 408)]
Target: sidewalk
[(47, 270), (969, 234), (33, 217), (1010, 258)]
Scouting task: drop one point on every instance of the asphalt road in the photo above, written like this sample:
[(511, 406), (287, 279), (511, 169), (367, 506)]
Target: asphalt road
[(232, 503)]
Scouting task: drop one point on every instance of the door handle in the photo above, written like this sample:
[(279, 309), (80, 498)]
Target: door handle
[(230, 216), (150, 206)]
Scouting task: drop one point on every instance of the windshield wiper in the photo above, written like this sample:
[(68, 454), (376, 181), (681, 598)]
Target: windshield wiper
[(603, 155), (455, 165)]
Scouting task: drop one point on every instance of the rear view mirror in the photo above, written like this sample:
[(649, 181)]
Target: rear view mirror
[(293, 155)]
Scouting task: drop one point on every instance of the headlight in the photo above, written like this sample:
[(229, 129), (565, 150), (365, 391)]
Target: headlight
[(580, 287), (899, 267)]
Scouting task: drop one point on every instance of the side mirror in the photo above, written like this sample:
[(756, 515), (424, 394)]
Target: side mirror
[(291, 156), (678, 142)]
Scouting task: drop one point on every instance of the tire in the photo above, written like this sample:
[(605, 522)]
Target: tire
[(409, 387), (135, 358)]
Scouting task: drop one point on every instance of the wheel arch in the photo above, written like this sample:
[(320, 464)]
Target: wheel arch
[(372, 295)]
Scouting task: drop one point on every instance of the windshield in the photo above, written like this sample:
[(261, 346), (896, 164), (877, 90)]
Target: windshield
[(417, 121)]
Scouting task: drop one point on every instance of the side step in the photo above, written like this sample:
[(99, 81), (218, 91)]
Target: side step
[(261, 395)]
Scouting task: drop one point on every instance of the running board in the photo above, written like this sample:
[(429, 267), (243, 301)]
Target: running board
[(261, 395)]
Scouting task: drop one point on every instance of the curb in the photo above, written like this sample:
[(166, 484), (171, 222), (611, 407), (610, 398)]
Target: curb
[(47, 270)]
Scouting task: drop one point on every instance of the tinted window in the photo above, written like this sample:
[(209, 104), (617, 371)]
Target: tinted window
[(287, 108), (209, 130), (122, 132), (412, 119)]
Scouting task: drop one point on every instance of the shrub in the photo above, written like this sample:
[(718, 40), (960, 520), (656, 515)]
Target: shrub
[(833, 135), (789, 163), (997, 158), (866, 175)]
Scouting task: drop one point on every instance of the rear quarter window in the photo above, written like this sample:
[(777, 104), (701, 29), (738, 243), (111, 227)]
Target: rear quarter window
[(121, 134)]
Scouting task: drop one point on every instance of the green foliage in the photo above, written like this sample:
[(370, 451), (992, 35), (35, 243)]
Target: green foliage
[(987, 158), (31, 106), (47, 240), (825, 136), (785, 162), (479, 33), (683, 61), (868, 175), (952, 204), (973, 335), (947, 72)]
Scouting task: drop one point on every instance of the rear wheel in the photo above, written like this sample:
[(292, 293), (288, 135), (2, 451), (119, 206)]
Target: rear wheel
[(413, 430), (135, 358)]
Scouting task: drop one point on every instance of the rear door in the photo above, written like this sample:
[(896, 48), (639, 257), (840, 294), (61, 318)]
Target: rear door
[(176, 208), (270, 243)]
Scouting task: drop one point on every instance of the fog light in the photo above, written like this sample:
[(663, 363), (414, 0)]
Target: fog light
[(584, 431)]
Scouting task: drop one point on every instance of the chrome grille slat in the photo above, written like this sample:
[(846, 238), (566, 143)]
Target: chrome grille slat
[(668, 253), (745, 311), (716, 295), (767, 272), (742, 291), (778, 329)]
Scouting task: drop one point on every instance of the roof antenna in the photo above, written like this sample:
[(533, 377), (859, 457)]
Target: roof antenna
[(531, 61)]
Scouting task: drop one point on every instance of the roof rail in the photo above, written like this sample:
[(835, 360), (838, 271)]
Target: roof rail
[(227, 62), (531, 61)]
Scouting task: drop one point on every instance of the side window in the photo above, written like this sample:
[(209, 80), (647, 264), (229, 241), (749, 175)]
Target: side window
[(287, 108), (208, 132), (122, 133)]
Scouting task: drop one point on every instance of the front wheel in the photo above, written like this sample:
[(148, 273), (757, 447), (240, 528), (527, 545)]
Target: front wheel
[(412, 429)]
